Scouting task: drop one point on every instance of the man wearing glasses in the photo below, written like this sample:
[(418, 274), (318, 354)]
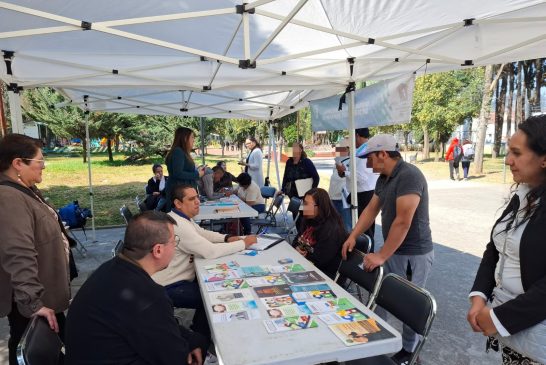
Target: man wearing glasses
[(179, 278), (121, 316)]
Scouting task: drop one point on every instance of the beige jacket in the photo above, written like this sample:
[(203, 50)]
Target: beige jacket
[(34, 268), (197, 241)]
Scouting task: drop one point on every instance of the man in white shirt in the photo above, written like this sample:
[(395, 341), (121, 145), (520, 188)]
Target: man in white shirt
[(365, 177), (179, 277)]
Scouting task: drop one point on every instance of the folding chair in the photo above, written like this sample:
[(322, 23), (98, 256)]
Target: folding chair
[(413, 306), (40, 345), (268, 192), (294, 208), (352, 269), (141, 204), (117, 248), (269, 220), (125, 213)]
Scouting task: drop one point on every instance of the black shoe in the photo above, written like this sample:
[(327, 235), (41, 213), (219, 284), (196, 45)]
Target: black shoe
[(403, 357)]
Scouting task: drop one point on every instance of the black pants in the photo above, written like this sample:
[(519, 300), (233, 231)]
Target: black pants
[(17, 326), (363, 198)]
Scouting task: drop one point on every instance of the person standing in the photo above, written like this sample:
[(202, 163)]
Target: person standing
[(180, 164), (454, 154), (508, 298), (34, 248), (253, 163), (468, 156), (337, 189), (298, 167), (365, 177), (401, 194)]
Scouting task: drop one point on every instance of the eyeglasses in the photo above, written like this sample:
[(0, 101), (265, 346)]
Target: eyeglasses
[(176, 242), (42, 161)]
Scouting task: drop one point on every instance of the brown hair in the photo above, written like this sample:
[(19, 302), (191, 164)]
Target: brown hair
[(303, 154), (145, 230), (327, 213), (181, 138), (253, 139), (17, 146)]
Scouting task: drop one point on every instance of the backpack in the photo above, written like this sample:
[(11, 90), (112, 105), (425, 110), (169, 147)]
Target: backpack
[(469, 152), (74, 216), (457, 154)]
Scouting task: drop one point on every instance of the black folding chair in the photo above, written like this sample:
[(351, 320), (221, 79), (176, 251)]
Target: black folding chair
[(117, 248), (352, 270), (141, 203), (125, 213), (40, 345), (413, 306), (294, 208), (269, 220)]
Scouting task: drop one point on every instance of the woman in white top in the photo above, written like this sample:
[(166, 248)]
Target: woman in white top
[(253, 163), (512, 273)]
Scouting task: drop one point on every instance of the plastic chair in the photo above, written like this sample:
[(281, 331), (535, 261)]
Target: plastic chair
[(351, 269), (40, 345), (125, 213), (413, 306), (269, 220)]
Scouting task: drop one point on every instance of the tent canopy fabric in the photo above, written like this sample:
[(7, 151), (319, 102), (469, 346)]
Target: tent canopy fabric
[(261, 60)]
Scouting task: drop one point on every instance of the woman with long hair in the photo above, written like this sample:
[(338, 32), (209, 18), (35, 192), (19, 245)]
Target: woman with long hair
[(180, 164), (253, 162), (298, 167), (321, 233), (509, 293)]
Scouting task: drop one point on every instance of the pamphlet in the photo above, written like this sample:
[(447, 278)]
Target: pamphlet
[(277, 301), (266, 280), (304, 296), (272, 290), (221, 276), (343, 316), (290, 323), (322, 306), (250, 271), (220, 268), (288, 311), (234, 306), (355, 333), (302, 277), (286, 268), (243, 315), (230, 296), (264, 243), (227, 285)]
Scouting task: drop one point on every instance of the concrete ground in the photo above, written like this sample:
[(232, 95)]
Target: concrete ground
[(462, 214)]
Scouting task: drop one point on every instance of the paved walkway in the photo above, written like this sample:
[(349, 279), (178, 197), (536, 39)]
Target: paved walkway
[(462, 214)]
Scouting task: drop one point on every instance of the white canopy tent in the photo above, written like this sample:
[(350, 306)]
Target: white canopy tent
[(262, 60)]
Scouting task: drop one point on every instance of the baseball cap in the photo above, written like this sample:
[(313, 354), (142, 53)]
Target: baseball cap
[(380, 142)]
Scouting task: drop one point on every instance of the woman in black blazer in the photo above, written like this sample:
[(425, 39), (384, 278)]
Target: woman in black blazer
[(513, 267)]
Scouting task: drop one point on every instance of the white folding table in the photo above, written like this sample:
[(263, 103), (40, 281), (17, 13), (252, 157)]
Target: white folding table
[(248, 342), (208, 210)]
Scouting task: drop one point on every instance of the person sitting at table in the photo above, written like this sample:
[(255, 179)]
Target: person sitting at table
[(179, 277), (155, 190), (227, 179), (249, 192), (121, 316), (321, 233), (207, 181)]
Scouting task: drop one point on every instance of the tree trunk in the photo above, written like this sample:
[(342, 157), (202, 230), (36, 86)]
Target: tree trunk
[(437, 147), (539, 75), (484, 119), (116, 143), (426, 144), (109, 149), (84, 145), (510, 101), (520, 106), (528, 88), (499, 115)]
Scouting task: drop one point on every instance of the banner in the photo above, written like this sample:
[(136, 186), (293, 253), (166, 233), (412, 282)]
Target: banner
[(385, 103)]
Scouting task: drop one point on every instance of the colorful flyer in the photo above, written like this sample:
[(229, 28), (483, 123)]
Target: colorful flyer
[(322, 306), (243, 315), (220, 276), (227, 285), (309, 287), (272, 290), (230, 296), (305, 296), (220, 268), (278, 301), (355, 333), (302, 277), (234, 306), (252, 271), (290, 324), (286, 268), (266, 280), (343, 316), (288, 311)]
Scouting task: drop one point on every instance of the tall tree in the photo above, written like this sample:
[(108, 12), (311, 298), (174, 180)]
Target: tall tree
[(510, 98), (500, 104), (488, 87)]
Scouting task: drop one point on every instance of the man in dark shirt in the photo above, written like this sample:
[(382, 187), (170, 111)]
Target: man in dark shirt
[(401, 193), (121, 316)]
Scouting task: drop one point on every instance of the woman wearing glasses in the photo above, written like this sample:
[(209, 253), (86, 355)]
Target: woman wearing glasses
[(34, 250), (321, 233)]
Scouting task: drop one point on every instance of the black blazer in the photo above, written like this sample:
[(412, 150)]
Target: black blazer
[(529, 308)]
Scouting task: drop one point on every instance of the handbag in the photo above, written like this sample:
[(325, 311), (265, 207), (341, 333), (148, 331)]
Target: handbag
[(529, 342)]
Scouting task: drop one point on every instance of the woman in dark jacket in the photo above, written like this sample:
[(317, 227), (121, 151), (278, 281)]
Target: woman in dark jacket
[(180, 164), (321, 233), (34, 248), (298, 167), (512, 273), (155, 190)]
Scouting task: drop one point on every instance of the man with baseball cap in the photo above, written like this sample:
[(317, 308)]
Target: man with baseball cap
[(401, 193)]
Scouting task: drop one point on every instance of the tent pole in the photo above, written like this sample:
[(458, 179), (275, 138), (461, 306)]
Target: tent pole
[(352, 155), (269, 148), (202, 127), (15, 111), (88, 144), (279, 181)]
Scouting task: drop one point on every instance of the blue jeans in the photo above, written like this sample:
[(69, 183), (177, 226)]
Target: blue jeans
[(345, 214), (247, 226), (186, 294)]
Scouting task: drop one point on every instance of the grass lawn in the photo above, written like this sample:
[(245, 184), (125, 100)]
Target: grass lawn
[(115, 184)]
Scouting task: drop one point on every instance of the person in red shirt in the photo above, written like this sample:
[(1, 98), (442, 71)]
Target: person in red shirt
[(453, 156)]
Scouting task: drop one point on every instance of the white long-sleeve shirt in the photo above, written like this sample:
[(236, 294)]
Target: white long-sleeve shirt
[(365, 177), (194, 241)]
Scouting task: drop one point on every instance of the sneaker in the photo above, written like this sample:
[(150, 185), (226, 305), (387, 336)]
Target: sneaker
[(403, 357)]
